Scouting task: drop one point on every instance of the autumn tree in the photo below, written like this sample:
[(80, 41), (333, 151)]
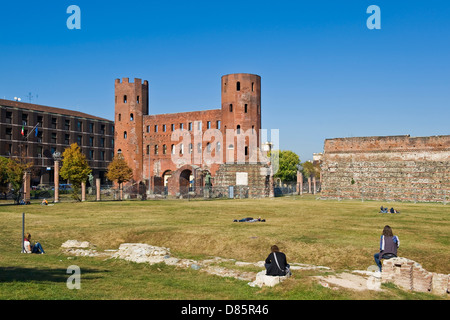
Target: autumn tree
[(311, 169), (75, 168), (12, 172), (119, 171)]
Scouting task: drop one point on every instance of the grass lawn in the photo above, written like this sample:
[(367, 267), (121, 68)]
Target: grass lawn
[(337, 234)]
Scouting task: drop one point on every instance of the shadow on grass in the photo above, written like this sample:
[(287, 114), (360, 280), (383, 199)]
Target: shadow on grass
[(23, 274)]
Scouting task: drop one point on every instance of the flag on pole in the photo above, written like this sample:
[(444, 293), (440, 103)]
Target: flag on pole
[(36, 131), (23, 131)]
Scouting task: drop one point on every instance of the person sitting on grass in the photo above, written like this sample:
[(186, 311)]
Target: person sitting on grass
[(36, 248)]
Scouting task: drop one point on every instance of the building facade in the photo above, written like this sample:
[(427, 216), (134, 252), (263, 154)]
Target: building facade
[(177, 152), (33, 133)]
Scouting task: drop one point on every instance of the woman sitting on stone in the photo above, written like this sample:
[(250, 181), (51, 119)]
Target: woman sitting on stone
[(276, 264)]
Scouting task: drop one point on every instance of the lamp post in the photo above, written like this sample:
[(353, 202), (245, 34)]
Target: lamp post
[(57, 158)]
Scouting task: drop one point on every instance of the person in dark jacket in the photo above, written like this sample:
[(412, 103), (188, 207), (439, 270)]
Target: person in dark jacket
[(276, 264), (388, 246)]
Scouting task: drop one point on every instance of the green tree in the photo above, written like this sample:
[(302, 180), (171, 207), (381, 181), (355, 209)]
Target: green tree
[(75, 168), (119, 171), (288, 162)]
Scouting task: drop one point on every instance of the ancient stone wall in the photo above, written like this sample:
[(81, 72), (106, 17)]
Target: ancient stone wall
[(387, 168), (248, 180)]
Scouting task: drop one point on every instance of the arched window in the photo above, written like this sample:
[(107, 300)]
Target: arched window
[(124, 134), (156, 149), (164, 149), (238, 86), (120, 117), (172, 149), (131, 117), (238, 129), (125, 99), (231, 107), (253, 86), (245, 108)]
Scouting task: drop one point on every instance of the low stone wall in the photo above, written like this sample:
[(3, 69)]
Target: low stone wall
[(409, 275)]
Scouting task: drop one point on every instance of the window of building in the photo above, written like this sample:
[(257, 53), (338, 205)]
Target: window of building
[(245, 108), (8, 134), (131, 117), (9, 117), (53, 137), (125, 99), (172, 149), (24, 119), (148, 149), (225, 87), (39, 121), (137, 99), (172, 127), (164, 128), (124, 134), (238, 129), (91, 141), (208, 125), (181, 148), (190, 148), (218, 147), (79, 140), (238, 86), (102, 129), (218, 124), (102, 155), (181, 126), (156, 128), (120, 117), (231, 107), (66, 124), (164, 149), (190, 126), (79, 126), (67, 139), (148, 129), (199, 147), (246, 150), (156, 149), (39, 152), (253, 86), (91, 154), (102, 142), (54, 123), (208, 147)]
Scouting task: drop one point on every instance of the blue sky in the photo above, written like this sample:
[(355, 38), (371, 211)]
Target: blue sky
[(324, 73)]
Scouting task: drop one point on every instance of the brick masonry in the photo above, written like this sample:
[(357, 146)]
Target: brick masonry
[(149, 143), (409, 275), (387, 168)]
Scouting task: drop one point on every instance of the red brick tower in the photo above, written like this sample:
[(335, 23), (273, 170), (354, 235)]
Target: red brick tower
[(241, 113), (131, 105)]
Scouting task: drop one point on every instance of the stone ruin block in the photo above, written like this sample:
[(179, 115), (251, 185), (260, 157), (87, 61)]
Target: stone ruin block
[(440, 283), (409, 275)]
